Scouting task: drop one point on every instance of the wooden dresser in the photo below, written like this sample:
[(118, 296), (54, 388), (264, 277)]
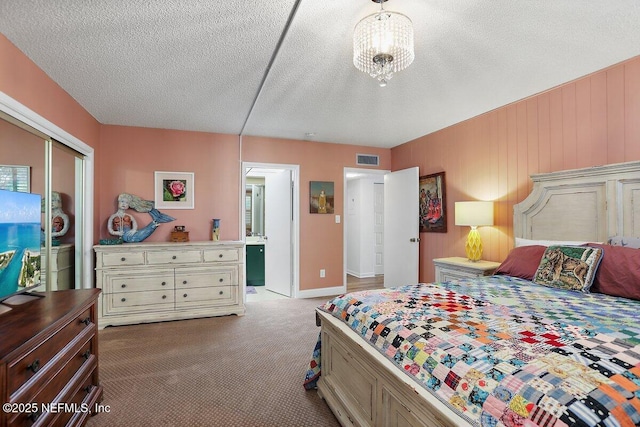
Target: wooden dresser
[(152, 282), (49, 360)]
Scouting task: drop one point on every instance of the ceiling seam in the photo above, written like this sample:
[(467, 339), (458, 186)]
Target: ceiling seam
[(274, 55)]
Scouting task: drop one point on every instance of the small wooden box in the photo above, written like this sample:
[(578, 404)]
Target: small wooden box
[(179, 236)]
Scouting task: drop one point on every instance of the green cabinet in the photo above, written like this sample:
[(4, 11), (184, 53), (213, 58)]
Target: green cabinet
[(255, 265)]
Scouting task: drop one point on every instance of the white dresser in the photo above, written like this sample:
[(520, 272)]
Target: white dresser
[(152, 282), (62, 266)]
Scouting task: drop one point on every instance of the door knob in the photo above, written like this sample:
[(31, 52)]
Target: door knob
[(414, 239)]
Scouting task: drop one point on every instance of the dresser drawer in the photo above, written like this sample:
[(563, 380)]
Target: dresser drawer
[(122, 258), (153, 281), (173, 257), (129, 302), (205, 277), (221, 255), (206, 296), (38, 359)]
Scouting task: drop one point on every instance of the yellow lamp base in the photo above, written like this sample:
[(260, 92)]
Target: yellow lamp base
[(473, 246)]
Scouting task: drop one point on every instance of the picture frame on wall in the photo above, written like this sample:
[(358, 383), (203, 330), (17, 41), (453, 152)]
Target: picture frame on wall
[(432, 193), (174, 190), (321, 197), (15, 178)]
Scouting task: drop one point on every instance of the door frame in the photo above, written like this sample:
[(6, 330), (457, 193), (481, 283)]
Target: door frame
[(295, 232), (345, 223)]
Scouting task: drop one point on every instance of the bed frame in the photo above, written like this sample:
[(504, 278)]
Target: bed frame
[(363, 388)]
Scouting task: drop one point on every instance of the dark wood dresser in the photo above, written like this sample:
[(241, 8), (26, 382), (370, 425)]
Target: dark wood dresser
[(49, 360)]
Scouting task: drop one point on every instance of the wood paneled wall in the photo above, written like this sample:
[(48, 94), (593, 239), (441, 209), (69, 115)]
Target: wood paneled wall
[(592, 121)]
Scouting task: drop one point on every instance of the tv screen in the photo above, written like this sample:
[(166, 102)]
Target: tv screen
[(20, 237)]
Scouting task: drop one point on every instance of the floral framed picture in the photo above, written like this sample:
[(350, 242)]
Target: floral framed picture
[(174, 190), (433, 215)]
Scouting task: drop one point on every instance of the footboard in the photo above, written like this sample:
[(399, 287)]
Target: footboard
[(362, 388)]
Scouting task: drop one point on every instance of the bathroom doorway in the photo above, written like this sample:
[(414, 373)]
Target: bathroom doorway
[(270, 218)]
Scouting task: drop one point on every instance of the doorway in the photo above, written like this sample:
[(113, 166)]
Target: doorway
[(363, 229), (270, 226)]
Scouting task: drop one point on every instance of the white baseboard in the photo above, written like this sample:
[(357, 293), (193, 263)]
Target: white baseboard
[(321, 292), (360, 275)]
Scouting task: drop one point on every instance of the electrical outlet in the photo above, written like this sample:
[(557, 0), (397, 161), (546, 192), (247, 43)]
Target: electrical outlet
[(322, 272)]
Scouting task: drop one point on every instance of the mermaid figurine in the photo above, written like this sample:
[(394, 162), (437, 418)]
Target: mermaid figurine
[(125, 226)]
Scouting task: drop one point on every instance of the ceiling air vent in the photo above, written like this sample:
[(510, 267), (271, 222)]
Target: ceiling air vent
[(367, 159)]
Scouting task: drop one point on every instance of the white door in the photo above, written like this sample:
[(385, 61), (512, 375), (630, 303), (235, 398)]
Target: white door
[(378, 228), (277, 229), (401, 228)]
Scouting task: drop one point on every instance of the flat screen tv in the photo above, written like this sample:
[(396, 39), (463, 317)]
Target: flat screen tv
[(20, 237)]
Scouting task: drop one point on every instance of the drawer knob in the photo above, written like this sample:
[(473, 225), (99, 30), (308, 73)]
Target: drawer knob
[(185, 295), (86, 320), (221, 292), (86, 354), (88, 388), (35, 366), (164, 283), (123, 285), (164, 297), (220, 256), (174, 257), (123, 299), (221, 280), (184, 282), (123, 259)]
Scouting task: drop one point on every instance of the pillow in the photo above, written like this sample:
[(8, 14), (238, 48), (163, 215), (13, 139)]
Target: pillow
[(522, 262), (630, 242), (568, 267), (528, 242), (619, 272)]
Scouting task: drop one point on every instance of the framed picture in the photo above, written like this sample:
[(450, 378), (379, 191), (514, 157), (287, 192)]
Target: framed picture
[(321, 197), (174, 190), (433, 215), (15, 178)]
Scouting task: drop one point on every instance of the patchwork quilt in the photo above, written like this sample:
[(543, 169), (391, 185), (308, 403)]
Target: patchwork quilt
[(503, 351)]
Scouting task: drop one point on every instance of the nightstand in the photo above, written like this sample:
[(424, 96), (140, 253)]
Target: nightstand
[(459, 268)]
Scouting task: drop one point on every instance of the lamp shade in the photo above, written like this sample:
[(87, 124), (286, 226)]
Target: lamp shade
[(474, 213)]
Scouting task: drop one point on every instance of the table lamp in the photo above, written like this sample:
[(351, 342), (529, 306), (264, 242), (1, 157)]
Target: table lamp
[(474, 214)]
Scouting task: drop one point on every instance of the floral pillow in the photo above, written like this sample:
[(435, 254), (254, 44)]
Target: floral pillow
[(568, 267)]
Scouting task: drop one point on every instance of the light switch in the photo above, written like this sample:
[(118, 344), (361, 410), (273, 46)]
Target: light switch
[(337, 219)]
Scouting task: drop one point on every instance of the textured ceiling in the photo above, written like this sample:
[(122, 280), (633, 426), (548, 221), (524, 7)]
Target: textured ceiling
[(200, 64)]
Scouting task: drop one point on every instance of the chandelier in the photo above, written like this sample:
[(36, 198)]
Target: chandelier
[(383, 44)]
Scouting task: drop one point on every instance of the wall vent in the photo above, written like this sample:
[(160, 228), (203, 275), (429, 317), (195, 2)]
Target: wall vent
[(367, 159)]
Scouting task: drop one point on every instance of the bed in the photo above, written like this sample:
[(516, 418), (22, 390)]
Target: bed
[(547, 341)]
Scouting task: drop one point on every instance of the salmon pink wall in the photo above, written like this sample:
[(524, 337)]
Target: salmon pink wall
[(321, 239), (130, 157), (25, 82), (588, 122)]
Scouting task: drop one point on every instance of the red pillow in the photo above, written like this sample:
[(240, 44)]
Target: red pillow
[(522, 261), (619, 272)]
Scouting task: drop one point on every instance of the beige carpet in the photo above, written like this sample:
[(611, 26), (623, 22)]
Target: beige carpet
[(220, 371)]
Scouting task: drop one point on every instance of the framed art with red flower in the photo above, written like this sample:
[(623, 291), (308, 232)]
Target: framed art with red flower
[(174, 190)]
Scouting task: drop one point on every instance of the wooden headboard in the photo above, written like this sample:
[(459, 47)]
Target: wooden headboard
[(590, 204)]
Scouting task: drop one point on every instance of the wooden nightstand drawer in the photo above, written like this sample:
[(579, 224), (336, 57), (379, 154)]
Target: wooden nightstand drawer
[(454, 268)]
